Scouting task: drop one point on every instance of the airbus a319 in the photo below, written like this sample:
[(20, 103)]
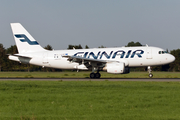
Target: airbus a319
[(113, 60)]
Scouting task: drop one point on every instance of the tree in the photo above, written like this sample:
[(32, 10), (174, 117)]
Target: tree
[(12, 50), (175, 66), (102, 46), (75, 46), (10, 65), (79, 47), (3, 57), (132, 44), (86, 47), (48, 47)]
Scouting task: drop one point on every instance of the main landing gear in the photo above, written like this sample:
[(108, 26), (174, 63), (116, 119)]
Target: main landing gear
[(95, 75), (149, 70)]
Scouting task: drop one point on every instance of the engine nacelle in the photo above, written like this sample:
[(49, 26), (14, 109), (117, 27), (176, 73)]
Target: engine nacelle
[(117, 68)]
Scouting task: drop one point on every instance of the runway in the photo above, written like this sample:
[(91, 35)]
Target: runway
[(88, 79)]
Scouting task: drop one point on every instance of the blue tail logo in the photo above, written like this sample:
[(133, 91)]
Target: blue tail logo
[(26, 39)]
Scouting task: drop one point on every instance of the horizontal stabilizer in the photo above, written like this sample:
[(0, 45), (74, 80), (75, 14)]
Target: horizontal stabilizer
[(22, 56)]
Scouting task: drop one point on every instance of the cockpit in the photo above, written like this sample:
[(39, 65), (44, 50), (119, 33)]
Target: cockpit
[(163, 52)]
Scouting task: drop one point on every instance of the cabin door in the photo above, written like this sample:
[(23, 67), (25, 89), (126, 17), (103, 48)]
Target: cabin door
[(149, 53)]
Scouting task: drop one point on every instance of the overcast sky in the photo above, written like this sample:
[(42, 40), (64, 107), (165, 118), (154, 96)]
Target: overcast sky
[(110, 23)]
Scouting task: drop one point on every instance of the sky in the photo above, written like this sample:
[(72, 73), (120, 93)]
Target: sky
[(111, 23)]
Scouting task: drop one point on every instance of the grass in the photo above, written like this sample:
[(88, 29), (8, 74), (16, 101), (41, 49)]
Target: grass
[(85, 74), (89, 100)]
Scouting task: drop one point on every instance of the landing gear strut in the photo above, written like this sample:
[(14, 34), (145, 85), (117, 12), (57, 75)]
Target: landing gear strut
[(149, 70)]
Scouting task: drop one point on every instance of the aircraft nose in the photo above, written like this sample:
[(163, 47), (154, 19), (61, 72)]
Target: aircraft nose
[(171, 58)]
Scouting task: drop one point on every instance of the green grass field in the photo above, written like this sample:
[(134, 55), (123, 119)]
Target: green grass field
[(85, 74), (89, 100)]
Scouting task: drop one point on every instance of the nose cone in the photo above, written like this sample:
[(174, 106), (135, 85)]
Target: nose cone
[(171, 59)]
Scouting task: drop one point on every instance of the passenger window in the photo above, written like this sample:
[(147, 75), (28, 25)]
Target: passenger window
[(159, 52)]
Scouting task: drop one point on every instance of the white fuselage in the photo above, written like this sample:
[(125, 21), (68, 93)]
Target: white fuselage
[(131, 56)]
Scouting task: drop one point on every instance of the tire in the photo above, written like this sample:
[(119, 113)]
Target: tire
[(150, 75), (98, 75), (92, 75)]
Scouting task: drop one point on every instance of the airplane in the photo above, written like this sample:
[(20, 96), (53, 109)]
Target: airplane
[(116, 60)]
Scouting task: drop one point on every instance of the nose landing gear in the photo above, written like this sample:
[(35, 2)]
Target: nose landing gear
[(149, 70)]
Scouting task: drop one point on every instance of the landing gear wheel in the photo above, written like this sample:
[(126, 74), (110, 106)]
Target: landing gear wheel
[(150, 75), (92, 75), (97, 75)]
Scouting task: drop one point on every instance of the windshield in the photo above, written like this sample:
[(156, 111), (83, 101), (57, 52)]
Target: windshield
[(163, 52)]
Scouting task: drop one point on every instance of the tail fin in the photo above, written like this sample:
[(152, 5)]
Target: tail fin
[(24, 41)]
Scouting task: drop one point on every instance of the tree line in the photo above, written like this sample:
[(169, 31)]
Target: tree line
[(8, 65)]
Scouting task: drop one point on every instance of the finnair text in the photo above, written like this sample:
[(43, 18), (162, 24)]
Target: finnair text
[(112, 54)]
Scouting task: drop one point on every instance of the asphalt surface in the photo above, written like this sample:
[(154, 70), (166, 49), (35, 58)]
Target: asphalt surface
[(88, 79)]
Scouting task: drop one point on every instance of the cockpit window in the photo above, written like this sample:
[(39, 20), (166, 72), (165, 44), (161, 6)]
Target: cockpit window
[(162, 52)]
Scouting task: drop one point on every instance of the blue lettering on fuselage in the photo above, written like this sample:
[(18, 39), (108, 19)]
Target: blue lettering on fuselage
[(119, 54), (106, 55), (128, 53), (122, 53), (79, 53), (93, 55), (85, 54), (138, 54), (26, 39)]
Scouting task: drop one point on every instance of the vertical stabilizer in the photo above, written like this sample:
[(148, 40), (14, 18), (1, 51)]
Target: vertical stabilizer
[(24, 41)]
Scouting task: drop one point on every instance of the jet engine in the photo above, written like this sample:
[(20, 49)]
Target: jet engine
[(117, 68)]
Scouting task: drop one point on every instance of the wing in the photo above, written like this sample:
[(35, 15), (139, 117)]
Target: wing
[(88, 62), (80, 59)]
